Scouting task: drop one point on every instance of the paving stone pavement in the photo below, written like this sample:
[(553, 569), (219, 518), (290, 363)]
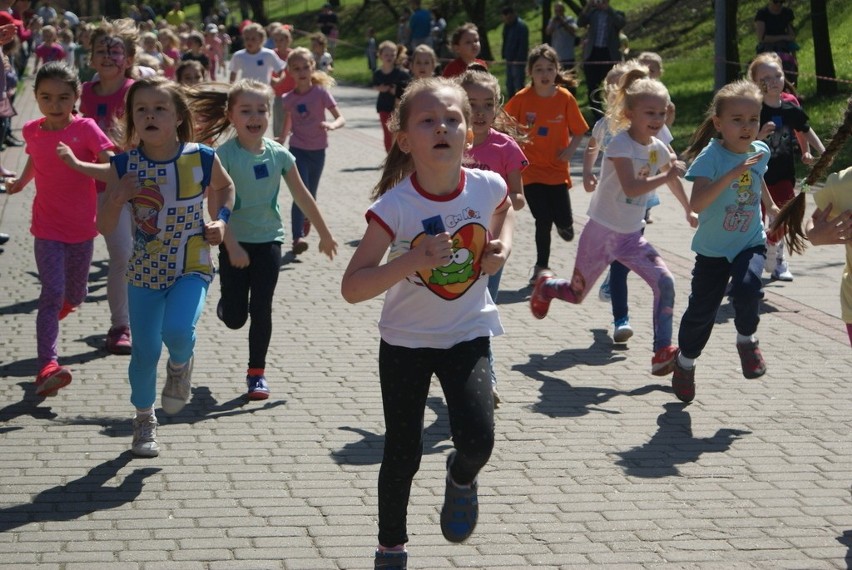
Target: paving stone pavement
[(596, 463)]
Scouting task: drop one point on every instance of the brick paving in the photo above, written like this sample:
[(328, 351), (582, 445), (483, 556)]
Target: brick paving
[(596, 463)]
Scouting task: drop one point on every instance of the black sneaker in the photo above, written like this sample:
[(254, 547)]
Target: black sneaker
[(461, 508), (391, 560), (566, 233), (683, 382)]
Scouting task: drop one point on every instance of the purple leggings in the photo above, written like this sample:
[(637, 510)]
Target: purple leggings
[(600, 246), (63, 269)]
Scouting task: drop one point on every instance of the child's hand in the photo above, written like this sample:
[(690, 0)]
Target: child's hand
[(493, 257), (766, 130), (518, 201), (808, 158), (826, 232), (434, 251), (214, 232), (13, 185), (677, 169), (126, 189), (692, 219), (66, 155), (737, 171), (326, 126), (328, 246), (7, 33), (590, 182), (238, 256)]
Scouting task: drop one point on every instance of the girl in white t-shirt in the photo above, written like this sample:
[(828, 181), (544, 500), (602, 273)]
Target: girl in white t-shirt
[(437, 218), (636, 162)]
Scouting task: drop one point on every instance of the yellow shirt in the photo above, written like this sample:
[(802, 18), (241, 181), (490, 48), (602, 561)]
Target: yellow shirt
[(838, 192)]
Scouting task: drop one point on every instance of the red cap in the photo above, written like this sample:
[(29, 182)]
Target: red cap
[(6, 18), (243, 25)]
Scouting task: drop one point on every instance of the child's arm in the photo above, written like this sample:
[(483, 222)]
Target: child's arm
[(338, 121), (286, 127), (118, 193), (633, 186), (705, 190), (21, 181), (590, 157), (515, 182), (365, 278), (806, 141), (497, 251), (220, 197), (820, 230), (308, 205), (569, 150), (676, 186), (97, 170), (237, 256)]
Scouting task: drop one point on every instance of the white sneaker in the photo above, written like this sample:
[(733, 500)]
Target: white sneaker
[(176, 392), (604, 293), (145, 436), (782, 272), (623, 331)]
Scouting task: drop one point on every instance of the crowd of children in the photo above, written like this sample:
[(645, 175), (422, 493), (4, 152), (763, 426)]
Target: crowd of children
[(149, 112)]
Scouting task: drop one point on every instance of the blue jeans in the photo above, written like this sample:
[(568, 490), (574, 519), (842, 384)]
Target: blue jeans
[(709, 280), (515, 75), (160, 316), (309, 163)]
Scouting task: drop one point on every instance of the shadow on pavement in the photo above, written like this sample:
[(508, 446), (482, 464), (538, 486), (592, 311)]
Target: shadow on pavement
[(28, 406)]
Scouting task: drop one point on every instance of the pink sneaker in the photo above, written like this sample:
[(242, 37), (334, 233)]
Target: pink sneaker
[(118, 340), (51, 379), (663, 362)]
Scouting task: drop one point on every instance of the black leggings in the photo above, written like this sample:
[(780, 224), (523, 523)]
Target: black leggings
[(405, 374), (248, 291), (549, 205)]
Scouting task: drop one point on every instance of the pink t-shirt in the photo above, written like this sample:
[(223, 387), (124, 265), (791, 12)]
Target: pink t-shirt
[(65, 204), (52, 52), (498, 153), (307, 111), (169, 71), (104, 109)]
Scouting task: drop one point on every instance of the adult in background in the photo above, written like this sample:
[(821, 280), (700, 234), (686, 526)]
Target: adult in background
[(773, 25), (516, 46), (562, 30), (419, 25), (602, 49)]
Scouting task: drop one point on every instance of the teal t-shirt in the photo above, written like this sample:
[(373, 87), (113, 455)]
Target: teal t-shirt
[(257, 177), (733, 222)]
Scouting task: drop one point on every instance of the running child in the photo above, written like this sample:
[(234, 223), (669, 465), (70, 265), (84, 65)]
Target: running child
[(250, 257), (424, 62), (437, 218), (390, 81), (465, 43), (255, 61), (64, 210)]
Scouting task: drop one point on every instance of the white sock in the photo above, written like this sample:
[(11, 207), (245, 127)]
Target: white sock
[(684, 362), (743, 339), (144, 412)]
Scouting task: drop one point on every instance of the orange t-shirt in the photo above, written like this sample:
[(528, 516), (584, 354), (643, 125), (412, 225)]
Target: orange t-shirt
[(551, 122)]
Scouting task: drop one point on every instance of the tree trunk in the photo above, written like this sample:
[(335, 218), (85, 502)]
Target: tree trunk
[(258, 11), (476, 13), (732, 50), (823, 60)]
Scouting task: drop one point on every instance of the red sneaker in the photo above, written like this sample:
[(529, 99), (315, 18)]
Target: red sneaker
[(306, 227), (67, 309), (683, 382), (118, 340), (51, 379), (751, 360), (663, 362), (539, 304)]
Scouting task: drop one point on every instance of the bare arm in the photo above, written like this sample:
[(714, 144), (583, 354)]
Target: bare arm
[(118, 193), (633, 186), (676, 186), (516, 189), (590, 157), (97, 170), (497, 250), (19, 183), (220, 194), (338, 121)]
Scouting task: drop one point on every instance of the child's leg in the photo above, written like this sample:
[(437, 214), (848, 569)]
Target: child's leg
[(747, 289), (536, 195), (595, 250), (263, 274), (404, 374), (563, 216), (147, 307), (184, 303), (709, 279), (119, 247), (384, 118), (50, 262), (640, 256), (465, 377), (618, 290), (234, 286), (277, 117), (310, 164)]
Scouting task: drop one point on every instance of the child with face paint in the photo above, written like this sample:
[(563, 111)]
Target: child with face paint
[(113, 48)]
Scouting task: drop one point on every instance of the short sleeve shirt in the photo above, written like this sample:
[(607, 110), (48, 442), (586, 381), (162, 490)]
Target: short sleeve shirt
[(258, 66), (307, 111), (498, 153), (838, 192)]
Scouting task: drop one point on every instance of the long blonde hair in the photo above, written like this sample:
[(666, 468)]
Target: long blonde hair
[(398, 164), (318, 77), (634, 84)]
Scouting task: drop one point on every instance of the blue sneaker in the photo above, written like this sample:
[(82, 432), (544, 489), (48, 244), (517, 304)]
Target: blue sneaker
[(461, 508), (622, 331), (258, 389)]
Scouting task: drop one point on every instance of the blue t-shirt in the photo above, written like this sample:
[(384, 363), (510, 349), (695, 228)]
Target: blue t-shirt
[(257, 177), (733, 222)]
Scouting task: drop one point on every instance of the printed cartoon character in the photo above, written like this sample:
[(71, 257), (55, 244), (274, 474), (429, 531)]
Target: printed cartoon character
[(458, 270), (146, 212)]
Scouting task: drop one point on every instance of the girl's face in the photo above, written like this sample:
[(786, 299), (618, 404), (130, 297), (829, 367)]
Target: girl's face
[(738, 122), (149, 45), (249, 114), (647, 115), (109, 58), (484, 109), (301, 69), (190, 76), (422, 66), (282, 42), (468, 46), (155, 118), (56, 102), (387, 55), (436, 132), (770, 78), (252, 41), (543, 73)]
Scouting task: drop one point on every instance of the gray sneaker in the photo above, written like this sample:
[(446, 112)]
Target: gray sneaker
[(176, 392), (145, 436)]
